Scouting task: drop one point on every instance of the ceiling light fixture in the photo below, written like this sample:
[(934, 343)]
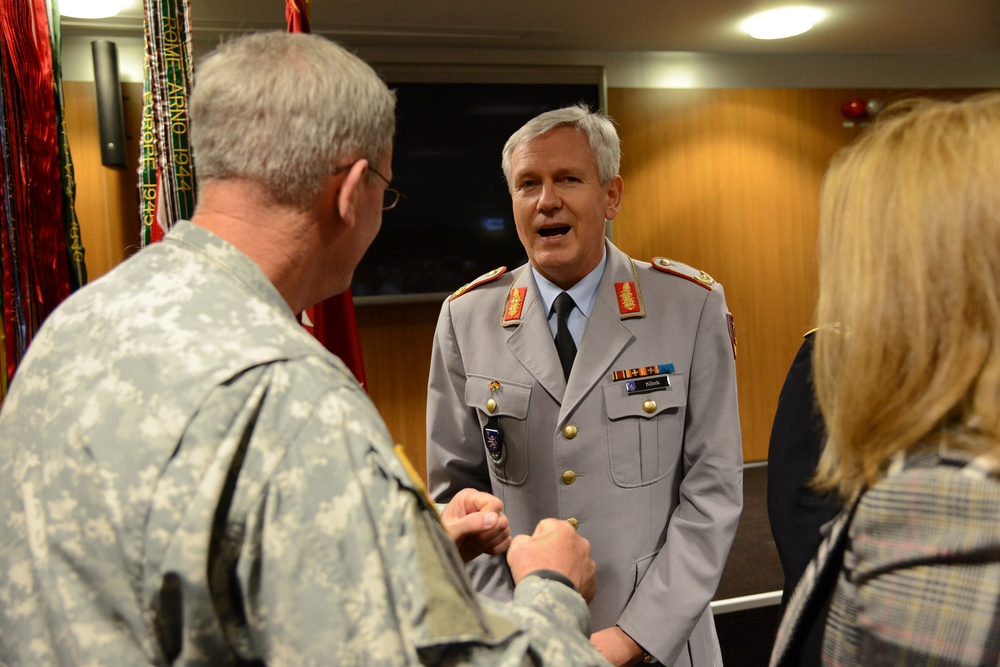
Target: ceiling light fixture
[(783, 22), (89, 9)]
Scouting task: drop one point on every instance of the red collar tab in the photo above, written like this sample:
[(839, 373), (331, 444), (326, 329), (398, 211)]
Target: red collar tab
[(629, 300), (515, 303)]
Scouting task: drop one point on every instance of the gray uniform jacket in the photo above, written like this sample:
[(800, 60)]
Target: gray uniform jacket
[(653, 480), (187, 477)]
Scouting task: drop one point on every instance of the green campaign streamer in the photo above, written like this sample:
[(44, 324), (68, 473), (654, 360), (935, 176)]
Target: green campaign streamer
[(166, 170)]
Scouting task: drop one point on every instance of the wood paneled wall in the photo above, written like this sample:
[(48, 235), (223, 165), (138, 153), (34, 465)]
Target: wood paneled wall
[(728, 181), (396, 346), (725, 180)]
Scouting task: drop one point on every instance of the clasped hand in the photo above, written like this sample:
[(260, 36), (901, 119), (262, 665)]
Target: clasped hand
[(476, 522)]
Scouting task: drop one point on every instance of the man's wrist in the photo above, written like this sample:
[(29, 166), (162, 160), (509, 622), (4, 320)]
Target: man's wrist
[(553, 576), (646, 657)]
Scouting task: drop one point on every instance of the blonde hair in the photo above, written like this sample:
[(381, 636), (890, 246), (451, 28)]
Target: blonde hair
[(909, 267)]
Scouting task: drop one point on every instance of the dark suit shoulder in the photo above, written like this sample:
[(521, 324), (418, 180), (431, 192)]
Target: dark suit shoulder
[(674, 268)]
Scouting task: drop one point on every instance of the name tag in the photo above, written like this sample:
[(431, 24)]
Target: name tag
[(647, 384)]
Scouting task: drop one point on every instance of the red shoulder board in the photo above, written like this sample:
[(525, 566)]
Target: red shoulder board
[(683, 271), (481, 280)]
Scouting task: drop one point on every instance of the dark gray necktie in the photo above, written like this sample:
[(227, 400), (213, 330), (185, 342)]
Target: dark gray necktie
[(564, 340)]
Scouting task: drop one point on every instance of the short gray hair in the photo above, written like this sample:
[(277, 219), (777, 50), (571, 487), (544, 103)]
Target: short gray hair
[(597, 127), (283, 110)]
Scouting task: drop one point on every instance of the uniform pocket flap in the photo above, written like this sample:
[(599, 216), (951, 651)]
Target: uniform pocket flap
[(621, 404), (506, 398)]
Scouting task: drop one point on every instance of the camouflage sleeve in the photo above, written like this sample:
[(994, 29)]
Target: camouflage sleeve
[(344, 563)]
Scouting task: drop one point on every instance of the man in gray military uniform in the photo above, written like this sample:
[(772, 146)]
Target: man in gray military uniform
[(598, 388), (187, 477)]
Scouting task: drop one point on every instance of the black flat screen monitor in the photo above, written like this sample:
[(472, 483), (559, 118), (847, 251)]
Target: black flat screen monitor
[(455, 222)]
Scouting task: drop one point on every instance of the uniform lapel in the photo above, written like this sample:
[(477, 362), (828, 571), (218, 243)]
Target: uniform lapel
[(605, 337), (532, 344)]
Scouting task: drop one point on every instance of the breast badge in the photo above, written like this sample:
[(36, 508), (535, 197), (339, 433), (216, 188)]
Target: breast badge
[(493, 438), (492, 435)]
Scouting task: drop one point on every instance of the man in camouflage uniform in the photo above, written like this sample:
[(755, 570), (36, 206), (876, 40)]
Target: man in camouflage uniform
[(187, 477)]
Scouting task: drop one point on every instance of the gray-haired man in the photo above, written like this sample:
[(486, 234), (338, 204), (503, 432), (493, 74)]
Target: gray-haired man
[(618, 414)]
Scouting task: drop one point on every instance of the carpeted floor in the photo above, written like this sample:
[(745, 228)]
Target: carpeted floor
[(753, 566), (746, 637)]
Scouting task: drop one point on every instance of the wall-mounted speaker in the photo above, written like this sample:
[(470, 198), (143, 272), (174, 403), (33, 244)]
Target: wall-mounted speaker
[(110, 117)]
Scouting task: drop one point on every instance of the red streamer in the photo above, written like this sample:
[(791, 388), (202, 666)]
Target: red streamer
[(36, 274)]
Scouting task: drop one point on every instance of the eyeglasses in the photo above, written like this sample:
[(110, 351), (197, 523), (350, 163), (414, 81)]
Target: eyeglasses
[(390, 197)]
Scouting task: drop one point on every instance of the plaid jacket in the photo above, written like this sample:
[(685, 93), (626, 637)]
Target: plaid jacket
[(916, 562)]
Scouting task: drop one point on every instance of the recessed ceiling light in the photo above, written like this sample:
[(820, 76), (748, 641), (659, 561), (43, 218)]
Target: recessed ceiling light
[(783, 22), (89, 9)]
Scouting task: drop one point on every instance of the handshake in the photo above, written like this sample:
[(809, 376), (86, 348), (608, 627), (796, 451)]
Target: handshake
[(476, 523)]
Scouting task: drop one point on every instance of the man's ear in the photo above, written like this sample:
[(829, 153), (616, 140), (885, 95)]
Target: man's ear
[(350, 191), (614, 189)]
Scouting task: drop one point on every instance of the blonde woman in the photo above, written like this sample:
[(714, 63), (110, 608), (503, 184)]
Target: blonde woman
[(908, 380)]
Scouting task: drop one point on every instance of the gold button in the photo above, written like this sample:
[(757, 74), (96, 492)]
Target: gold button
[(568, 477), (569, 431), (573, 522), (649, 407), (491, 406)]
